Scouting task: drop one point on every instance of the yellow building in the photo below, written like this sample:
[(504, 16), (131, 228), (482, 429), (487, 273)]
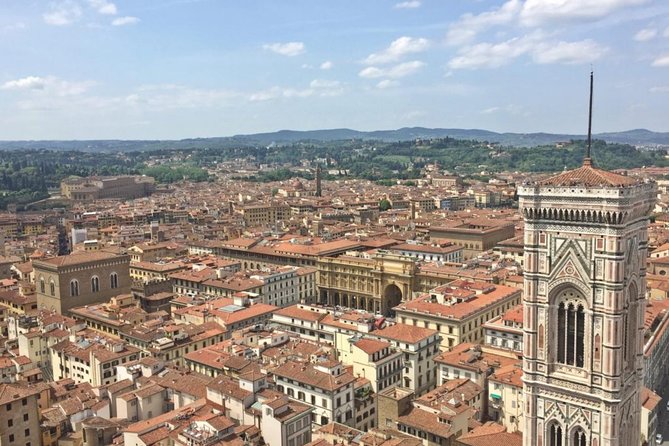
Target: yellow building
[(265, 214), (459, 310), (375, 360), (475, 236), (374, 283), (505, 390), (149, 271)]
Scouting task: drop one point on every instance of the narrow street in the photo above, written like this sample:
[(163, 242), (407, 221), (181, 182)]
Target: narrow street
[(662, 424)]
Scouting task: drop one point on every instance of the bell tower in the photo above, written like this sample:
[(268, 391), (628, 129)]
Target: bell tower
[(584, 305)]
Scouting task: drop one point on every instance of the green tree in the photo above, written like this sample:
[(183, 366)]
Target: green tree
[(384, 205)]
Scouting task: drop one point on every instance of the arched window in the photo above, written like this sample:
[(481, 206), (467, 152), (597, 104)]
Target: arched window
[(579, 438), (42, 285), (571, 330), (113, 280), (74, 287), (95, 284), (52, 287), (555, 435)]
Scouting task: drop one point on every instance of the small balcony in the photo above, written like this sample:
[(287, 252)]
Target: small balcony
[(495, 400)]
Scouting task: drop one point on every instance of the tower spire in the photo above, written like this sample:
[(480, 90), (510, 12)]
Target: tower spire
[(587, 161)]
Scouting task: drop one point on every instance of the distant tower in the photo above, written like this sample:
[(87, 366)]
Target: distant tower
[(585, 265), (155, 230), (318, 181)]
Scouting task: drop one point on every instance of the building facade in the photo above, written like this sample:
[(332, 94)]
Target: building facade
[(19, 415), (80, 279), (584, 302)]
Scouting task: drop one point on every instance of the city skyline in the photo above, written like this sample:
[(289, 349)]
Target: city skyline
[(96, 69)]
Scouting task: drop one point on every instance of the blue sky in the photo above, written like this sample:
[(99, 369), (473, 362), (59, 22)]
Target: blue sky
[(128, 69)]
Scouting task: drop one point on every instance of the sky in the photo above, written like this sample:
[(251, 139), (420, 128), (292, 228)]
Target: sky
[(172, 69)]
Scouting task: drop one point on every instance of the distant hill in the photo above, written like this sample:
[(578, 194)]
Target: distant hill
[(634, 137)]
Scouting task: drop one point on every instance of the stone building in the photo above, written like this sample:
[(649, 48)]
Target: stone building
[(98, 188), (585, 287), (81, 278), (19, 415), (475, 236)]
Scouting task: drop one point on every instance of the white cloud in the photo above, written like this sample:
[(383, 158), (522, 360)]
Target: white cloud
[(659, 89), (26, 83), (62, 13), (494, 55), (645, 34), (327, 65), (533, 13), (103, 7), (411, 4), (666, 32), (537, 12), (469, 25), (662, 61), (394, 72), (15, 26), (397, 49), (323, 83), (50, 84), (583, 51), (414, 114), (286, 49), (127, 20), (387, 83), (156, 98), (490, 110), (173, 96), (317, 87)]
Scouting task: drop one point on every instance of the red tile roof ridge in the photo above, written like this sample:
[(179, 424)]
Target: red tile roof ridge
[(588, 175)]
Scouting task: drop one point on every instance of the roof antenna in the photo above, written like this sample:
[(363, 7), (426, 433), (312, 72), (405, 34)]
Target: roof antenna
[(587, 161)]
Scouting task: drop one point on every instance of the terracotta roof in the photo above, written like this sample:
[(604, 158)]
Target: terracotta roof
[(427, 422), (14, 392), (588, 175), (77, 258), (371, 346), (491, 434), (649, 399), (476, 358), (406, 333), (307, 374), (511, 374)]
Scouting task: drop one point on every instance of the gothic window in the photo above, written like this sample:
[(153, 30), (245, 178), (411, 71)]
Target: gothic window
[(571, 330), (42, 285), (74, 287), (579, 438), (95, 284), (113, 280), (555, 435), (52, 287)]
